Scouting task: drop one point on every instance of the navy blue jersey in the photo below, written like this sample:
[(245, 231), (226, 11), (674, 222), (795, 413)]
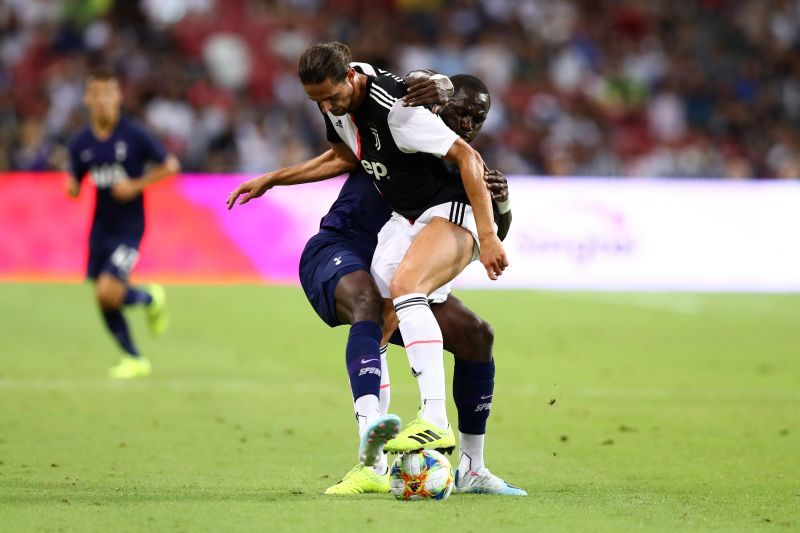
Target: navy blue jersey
[(123, 155), (358, 213), (345, 243)]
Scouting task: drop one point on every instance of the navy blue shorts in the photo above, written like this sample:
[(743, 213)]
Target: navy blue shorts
[(327, 258), (114, 255)]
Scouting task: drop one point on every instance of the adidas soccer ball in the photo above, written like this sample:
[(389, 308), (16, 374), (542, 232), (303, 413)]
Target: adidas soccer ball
[(422, 475)]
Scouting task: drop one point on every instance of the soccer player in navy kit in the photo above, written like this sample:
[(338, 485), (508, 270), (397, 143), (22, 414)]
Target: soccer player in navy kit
[(115, 150), (334, 272)]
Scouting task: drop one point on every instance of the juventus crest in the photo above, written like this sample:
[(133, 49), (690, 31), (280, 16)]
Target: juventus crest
[(377, 138)]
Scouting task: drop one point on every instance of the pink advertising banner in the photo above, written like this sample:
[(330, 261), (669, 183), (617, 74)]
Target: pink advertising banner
[(191, 236), (570, 234)]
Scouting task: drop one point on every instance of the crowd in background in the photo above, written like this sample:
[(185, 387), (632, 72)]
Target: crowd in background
[(671, 88)]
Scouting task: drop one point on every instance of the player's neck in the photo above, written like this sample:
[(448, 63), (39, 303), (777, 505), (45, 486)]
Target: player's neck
[(102, 129), (360, 90)]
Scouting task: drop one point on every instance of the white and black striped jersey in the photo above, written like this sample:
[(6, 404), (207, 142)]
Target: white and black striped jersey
[(400, 147)]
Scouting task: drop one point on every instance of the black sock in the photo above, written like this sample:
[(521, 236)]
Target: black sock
[(363, 358), (116, 324), (473, 387), (136, 296)]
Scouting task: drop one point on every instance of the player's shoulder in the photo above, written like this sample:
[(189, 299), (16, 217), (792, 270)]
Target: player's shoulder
[(384, 91), (131, 126), (388, 85), (79, 139)]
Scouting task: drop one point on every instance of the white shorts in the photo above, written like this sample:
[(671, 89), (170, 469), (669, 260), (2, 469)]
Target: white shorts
[(398, 233)]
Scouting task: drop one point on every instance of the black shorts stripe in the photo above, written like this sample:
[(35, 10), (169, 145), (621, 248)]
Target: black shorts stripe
[(457, 212)]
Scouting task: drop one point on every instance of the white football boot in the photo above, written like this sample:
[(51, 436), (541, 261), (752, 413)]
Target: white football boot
[(484, 482)]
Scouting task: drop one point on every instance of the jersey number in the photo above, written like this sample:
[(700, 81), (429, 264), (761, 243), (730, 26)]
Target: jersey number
[(378, 170), (124, 257)]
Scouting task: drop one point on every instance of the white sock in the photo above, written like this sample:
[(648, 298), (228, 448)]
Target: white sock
[(435, 412), (382, 466), (385, 394), (368, 410), (471, 449), (423, 340)]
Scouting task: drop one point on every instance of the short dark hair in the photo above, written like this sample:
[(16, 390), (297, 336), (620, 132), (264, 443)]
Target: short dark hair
[(467, 81), (325, 61), (102, 73)]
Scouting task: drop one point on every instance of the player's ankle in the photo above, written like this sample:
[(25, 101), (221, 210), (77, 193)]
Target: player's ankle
[(434, 412)]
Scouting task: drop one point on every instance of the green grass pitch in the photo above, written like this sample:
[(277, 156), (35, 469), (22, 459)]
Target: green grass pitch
[(617, 412)]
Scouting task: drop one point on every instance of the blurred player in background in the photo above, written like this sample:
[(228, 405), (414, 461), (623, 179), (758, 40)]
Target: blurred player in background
[(115, 151)]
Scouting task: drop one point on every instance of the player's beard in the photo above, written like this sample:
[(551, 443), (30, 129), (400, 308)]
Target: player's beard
[(105, 120)]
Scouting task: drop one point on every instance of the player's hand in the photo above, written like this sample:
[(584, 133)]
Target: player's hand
[(73, 187), (126, 190), (497, 184), (493, 256), (427, 90), (248, 190)]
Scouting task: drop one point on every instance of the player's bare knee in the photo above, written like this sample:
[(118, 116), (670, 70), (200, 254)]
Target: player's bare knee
[(482, 337), (109, 297), (400, 287), (367, 305), (108, 300)]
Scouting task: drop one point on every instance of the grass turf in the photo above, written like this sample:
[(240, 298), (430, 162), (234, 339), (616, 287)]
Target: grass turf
[(616, 412)]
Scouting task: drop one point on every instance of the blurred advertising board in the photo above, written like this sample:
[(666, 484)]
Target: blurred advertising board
[(570, 234)]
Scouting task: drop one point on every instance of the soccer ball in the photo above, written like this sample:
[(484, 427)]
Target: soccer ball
[(422, 475)]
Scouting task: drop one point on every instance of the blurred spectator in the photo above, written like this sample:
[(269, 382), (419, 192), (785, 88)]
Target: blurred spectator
[(32, 150), (605, 87)]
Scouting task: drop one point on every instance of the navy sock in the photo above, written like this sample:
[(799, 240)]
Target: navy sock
[(473, 387), (134, 296), (363, 358), (116, 324)]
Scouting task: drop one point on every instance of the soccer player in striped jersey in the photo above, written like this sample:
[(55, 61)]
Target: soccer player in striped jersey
[(334, 272), (440, 222)]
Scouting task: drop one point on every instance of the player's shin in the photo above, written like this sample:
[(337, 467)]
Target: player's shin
[(137, 296), (364, 368), (423, 343), (473, 387), (118, 327), (386, 390)]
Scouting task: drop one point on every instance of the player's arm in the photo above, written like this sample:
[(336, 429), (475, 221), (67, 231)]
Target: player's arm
[(427, 87), (498, 187), (471, 166), (75, 172), (127, 190), (73, 186), (335, 162), (414, 129)]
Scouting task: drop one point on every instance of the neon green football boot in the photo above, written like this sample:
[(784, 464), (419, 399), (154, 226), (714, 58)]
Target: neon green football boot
[(361, 480), (157, 314), (419, 435), (130, 368)]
